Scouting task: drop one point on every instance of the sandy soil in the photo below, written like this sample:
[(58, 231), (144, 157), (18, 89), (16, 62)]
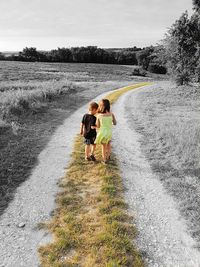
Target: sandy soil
[(163, 237)]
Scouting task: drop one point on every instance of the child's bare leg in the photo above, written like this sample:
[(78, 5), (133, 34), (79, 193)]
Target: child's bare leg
[(104, 150), (92, 157), (108, 150), (93, 148), (87, 151)]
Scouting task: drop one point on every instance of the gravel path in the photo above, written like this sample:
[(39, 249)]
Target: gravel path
[(162, 233), (34, 199)]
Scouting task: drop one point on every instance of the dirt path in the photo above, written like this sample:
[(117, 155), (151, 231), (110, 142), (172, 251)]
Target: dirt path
[(162, 234), (34, 199)]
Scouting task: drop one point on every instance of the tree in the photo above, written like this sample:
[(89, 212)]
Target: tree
[(196, 22), (64, 54), (181, 49), (29, 54), (2, 57), (144, 57), (157, 60), (182, 46), (196, 4)]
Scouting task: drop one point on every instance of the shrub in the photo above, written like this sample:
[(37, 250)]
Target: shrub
[(139, 72), (155, 68)]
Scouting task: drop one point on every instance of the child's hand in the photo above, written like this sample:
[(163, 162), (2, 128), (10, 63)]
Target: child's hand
[(93, 127), (81, 129)]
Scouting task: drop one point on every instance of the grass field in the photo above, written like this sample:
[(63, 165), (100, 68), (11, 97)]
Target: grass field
[(167, 117), (12, 71), (24, 86)]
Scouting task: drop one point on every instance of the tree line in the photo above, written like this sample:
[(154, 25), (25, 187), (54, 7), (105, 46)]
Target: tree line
[(89, 54), (145, 57)]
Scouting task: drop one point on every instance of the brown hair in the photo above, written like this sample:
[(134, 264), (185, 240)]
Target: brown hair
[(104, 106), (93, 105)]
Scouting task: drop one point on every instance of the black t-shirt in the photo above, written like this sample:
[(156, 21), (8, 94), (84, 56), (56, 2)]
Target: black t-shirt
[(88, 121)]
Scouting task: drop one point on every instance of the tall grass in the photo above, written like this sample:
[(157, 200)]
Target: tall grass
[(169, 121), (30, 95), (167, 118)]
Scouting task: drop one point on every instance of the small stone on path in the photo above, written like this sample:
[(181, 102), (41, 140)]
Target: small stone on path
[(21, 225)]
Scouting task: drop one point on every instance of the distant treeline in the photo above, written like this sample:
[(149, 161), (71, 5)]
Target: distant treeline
[(89, 54), (92, 54)]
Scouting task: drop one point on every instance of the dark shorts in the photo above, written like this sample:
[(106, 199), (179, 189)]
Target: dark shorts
[(89, 141)]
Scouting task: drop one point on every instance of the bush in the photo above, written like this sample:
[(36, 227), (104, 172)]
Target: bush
[(155, 68), (182, 78), (197, 73), (139, 72)]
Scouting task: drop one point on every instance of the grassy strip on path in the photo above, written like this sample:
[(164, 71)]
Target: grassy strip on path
[(91, 226)]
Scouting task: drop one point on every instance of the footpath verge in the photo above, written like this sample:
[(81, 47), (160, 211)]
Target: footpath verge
[(90, 225)]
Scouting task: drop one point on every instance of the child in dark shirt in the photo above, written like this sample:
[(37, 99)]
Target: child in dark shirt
[(89, 134)]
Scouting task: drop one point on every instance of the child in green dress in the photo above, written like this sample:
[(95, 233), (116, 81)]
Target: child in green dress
[(104, 123)]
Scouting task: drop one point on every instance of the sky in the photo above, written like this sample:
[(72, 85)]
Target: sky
[(48, 24)]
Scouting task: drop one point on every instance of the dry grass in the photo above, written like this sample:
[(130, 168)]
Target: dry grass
[(167, 117), (91, 226), (29, 96), (169, 120), (38, 71), (115, 95), (26, 86)]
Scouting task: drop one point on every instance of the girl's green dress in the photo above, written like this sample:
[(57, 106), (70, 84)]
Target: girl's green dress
[(104, 133)]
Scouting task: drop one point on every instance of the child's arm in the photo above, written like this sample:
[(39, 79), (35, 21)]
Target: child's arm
[(113, 119), (94, 127), (81, 128), (98, 123)]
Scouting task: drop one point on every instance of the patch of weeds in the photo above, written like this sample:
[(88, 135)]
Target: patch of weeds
[(116, 215), (109, 189)]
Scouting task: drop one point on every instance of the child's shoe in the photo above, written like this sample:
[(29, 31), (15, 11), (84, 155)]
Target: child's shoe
[(92, 157), (88, 159), (108, 159)]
